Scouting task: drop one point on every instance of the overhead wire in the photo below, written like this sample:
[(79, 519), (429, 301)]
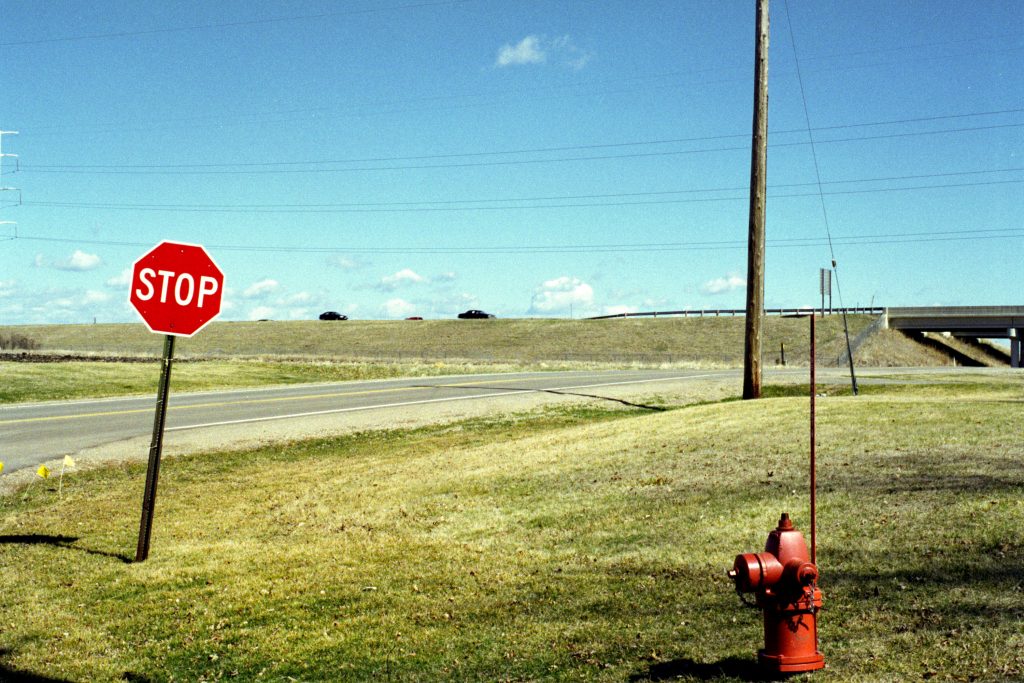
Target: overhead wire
[(358, 209), (559, 148), (229, 24), (361, 110), (821, 195), (177, 170), (712, 245)]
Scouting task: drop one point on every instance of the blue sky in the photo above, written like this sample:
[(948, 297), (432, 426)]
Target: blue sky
[(535, 158)]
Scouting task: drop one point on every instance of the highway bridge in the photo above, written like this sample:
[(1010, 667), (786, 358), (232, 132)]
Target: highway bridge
[(974, 322), (978, 322)]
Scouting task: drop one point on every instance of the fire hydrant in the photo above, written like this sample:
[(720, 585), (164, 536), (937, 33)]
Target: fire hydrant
[(784, 582)]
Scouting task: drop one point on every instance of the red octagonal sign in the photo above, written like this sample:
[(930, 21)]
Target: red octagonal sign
[(176, 288)]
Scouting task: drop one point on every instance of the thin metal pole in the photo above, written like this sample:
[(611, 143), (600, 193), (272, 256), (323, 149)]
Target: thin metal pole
[(155, 448), (814, 483)]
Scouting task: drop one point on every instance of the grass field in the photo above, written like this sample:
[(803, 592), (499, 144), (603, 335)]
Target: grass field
[(697, 340), (573, 544)]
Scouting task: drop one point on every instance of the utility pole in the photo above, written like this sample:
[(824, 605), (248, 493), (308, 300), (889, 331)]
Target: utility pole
[(755, 240)]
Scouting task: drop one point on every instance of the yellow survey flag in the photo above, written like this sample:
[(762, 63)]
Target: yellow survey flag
[(1, 467), (43, 471), (68, 462)]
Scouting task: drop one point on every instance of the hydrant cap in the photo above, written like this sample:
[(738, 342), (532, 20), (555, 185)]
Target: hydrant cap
[(784, 522), (753, 572)]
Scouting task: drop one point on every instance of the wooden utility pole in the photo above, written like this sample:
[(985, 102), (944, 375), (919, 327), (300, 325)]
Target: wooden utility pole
[(755, 240)]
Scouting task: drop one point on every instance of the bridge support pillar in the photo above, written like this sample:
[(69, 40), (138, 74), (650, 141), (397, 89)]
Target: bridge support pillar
[(1015, 351)]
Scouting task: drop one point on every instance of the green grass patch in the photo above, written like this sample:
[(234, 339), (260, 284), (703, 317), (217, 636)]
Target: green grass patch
[(573, 544)]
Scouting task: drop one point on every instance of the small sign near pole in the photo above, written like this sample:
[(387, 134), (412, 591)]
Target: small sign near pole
[(176, 289), (826, 289)]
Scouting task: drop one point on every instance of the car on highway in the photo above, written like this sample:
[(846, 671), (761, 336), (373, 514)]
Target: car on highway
[(414, 317), (475, 314), (332, 315)]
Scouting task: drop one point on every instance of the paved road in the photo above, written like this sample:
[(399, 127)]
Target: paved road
[(34, 433), (120, 428)]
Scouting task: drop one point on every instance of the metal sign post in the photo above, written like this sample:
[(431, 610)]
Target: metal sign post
[(177, 290), (814, 448), (155, 448)]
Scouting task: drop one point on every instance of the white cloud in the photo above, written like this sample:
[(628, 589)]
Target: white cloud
[(450, 276), (398, 308), (122, 280), (7, 288), (534, 49), (561, 294), (68, 305), (402, 278), (526, 51), (261, 288), (572, 56), (723, 285), (579, 61), (261, 313), (78, 261), (452, 303), (297, 298), (345, 263)]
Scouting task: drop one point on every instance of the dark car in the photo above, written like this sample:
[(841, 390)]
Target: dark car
[(474, 314), (332, 315), (414, 317)]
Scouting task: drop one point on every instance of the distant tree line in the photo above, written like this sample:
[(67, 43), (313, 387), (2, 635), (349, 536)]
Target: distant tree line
[(18, 341)]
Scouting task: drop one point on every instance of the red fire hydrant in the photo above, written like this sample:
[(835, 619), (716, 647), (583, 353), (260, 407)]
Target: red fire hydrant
[(785, 583)]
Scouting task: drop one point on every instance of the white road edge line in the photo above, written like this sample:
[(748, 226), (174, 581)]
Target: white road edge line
[(430, 400)]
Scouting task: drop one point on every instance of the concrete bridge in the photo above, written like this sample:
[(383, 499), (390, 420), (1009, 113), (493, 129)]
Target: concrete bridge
[(978, 322)]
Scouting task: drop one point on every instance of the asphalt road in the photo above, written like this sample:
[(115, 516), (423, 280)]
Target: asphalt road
[(118, 429), (31, 434)]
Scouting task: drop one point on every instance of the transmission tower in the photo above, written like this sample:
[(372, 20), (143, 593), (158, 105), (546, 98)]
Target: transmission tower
[(4, 188)]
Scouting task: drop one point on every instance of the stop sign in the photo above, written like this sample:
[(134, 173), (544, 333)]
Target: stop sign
[(176, 288)]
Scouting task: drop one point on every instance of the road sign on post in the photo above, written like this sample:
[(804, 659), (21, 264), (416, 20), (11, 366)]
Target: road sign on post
[(177, 289), (826, 288)]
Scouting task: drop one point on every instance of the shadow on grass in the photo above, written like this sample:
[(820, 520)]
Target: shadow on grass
[(57, 542), (557, 392), (729, 668), (15, 676)]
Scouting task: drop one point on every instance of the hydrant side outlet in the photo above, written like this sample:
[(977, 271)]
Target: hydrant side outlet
[(785, 583)]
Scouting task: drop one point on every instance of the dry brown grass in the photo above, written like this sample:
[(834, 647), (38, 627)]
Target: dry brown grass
[(710, 340)]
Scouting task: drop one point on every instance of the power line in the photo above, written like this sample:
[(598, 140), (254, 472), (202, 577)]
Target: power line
[(793, 242), (343, 209), (360, 110), (821, 196), (512, 162), (230, 24), (448, 202), (542, 150)]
